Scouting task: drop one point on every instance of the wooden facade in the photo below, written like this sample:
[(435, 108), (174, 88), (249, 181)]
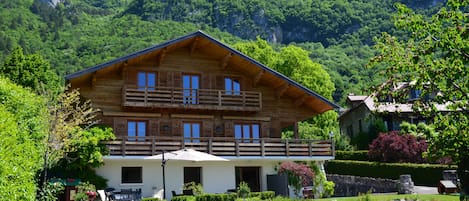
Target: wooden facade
[(155, 99)]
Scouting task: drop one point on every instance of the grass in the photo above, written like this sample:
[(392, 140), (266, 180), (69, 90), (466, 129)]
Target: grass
[(371, 197)]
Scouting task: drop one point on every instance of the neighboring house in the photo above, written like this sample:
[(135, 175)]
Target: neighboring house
[(196, 92), (363, 111)]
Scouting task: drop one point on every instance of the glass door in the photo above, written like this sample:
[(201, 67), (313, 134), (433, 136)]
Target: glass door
[(190, 84)]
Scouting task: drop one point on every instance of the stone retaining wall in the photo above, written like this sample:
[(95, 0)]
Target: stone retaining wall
[(346, 185)]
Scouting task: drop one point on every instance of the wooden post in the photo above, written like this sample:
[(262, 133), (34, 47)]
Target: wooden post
[(210, 151), (262, 148), (153, 146), (310, 148), (287, 148), (123, 146), (332, 148), (237, 148), (295, 130), (219, 97)]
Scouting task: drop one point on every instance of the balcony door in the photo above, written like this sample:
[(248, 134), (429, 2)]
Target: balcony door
[(192, 131), (247, 132), (190, 84)]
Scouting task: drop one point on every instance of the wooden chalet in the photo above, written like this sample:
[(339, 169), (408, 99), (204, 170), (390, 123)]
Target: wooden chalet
[(195, 91)]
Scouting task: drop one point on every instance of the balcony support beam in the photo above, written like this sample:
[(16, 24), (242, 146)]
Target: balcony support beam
[(281, 90), (257, 78), (194, 45), (225, 60), (161, 56)]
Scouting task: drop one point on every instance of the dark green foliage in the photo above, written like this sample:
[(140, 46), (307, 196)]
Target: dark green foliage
[(265, 195), (422, 174), (216, 197), (361, 155), (183, 198), (30, 71)]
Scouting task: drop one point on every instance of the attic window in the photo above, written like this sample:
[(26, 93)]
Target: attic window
[(232, 86), (146, 80)]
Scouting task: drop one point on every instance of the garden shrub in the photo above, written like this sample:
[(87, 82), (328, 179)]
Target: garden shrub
[(156, 199), (265, 195), (392, 147), (299, 175), (183, 198), (216, 197), (422, 174), (361, 155)]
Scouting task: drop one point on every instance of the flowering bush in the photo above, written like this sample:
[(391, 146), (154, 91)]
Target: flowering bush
[(299, 175), (392, 147)]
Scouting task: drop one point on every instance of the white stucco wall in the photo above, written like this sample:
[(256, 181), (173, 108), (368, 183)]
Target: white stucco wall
[(217, 177)]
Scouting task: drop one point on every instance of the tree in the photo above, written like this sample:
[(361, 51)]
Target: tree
[(295, 63), (30, 71), (72, 143), (434, 58), (23, 126)]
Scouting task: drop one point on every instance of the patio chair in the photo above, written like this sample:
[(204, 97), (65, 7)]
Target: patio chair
[(126, 194), (159, 194), (102, 195)]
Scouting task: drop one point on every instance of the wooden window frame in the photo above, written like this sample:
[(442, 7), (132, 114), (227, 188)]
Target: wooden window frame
[(232, 81), (136, 137), (191, 99), (191, 138), (251, 137), (146, 86)]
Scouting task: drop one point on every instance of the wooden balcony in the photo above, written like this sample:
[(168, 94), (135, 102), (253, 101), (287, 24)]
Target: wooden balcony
[(266, 147), (202, 99)]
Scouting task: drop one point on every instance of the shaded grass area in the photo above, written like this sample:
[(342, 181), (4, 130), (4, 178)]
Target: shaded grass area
[(371, 197)]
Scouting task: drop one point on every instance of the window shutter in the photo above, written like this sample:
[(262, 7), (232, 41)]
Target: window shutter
[(131, 77), (176, 128), (229, 129), (177, 79), (162, 79), (220, 82), (154, 128), (207, 128), (265, 129), (120, 127)]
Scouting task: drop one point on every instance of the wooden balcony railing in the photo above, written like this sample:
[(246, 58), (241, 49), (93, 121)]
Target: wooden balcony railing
[(167, 97), (264, 147)]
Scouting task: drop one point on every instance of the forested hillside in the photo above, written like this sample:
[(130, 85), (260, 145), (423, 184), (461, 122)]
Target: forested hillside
[(76, 34)]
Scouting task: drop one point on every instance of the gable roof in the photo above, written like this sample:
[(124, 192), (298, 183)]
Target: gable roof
[(313, 97)]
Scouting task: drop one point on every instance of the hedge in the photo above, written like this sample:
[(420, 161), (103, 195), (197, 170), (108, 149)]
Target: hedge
[(422, 174), (266, 195), (361, 155), (151, 199)]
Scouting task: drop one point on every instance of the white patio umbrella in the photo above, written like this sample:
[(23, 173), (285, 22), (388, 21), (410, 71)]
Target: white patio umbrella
[(182, 155)]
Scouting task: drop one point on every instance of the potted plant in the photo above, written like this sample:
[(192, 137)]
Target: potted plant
[(86, 192)]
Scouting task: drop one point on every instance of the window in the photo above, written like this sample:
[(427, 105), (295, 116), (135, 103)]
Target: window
[(131, 175), (190, 83), (192, 132), (146, 80), (250, 175), (192, 174), (136, 130), (247, 132), (232, 86)]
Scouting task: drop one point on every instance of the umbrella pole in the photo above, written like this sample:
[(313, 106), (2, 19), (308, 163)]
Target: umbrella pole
[(163, 164)]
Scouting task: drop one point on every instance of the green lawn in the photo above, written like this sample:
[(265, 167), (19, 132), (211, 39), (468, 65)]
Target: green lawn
[(393, 197)]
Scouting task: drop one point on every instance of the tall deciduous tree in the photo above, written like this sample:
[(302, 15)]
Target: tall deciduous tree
[(23, 126), (295, 63), (435, 58)]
